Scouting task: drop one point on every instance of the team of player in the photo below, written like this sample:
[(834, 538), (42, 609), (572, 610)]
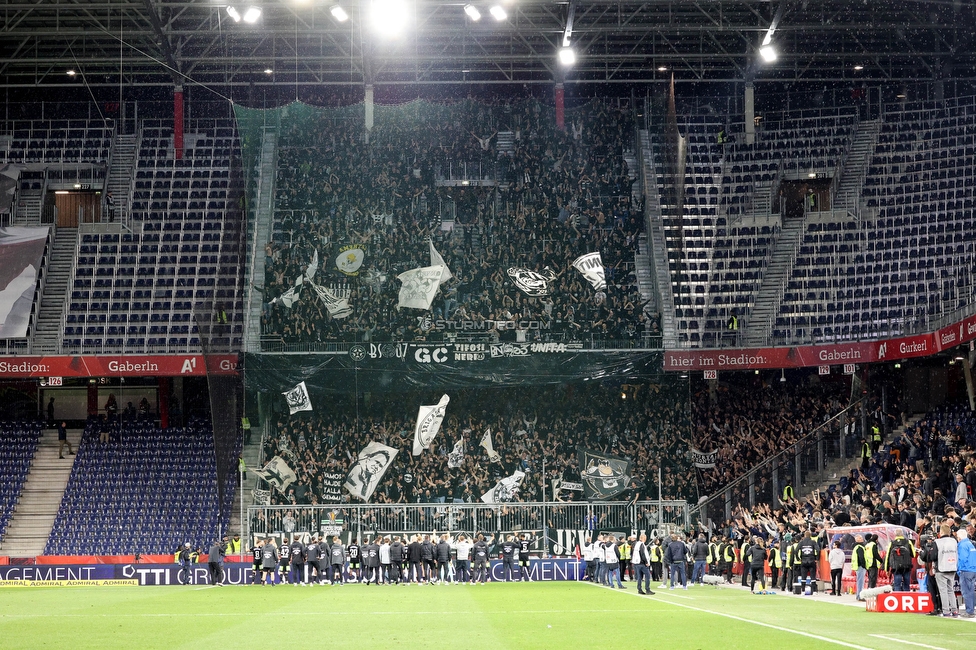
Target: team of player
[(420, 559)]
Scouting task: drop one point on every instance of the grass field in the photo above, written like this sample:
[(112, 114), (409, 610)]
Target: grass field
[(534, 615)]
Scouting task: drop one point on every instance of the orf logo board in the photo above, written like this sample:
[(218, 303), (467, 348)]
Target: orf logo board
[(901, 602)]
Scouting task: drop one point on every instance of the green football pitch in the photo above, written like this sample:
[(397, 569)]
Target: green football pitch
[(529, 615)]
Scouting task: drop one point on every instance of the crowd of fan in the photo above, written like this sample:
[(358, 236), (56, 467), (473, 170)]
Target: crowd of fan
[(747, 422), (526, 426), (561, 194)]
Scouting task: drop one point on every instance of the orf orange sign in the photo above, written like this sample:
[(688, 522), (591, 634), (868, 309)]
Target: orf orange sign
[(902, 602)]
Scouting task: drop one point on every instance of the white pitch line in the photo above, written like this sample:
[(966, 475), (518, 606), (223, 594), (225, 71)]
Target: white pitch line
[(760, 623), (897, 640)]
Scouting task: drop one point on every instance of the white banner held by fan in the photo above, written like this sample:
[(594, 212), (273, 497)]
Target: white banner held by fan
[(419, 287), (591, 266), (298, 399), (429, 420)]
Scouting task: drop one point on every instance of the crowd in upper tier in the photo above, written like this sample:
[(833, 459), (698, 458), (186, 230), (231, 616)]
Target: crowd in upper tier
[(493, 186), (647, 423)]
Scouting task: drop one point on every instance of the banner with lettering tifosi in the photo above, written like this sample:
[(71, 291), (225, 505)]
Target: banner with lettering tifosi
[(444, 367), (134, 365)]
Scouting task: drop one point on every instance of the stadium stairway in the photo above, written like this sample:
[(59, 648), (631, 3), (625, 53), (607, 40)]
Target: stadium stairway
[(657, 252), (123, 166), (252, 459), (41, 497), (770, 294), (645, 283), (856, 166), (47, 338), (262, 223), (842, 466)]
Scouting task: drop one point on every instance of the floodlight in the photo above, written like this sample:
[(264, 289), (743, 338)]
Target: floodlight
[(268, 71), (567, 56), (252, 14), (389, 16), (662, 68), (339, 14), (233, 13), (768, 53), (472, 12), (71, 73), (498, 13), (859, 67)]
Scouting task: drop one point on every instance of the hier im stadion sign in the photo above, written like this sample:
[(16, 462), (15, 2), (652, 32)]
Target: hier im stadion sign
[(123, 365), (906, 347)]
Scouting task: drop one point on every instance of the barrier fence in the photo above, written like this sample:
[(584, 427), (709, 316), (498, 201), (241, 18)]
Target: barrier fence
[(560, 524)]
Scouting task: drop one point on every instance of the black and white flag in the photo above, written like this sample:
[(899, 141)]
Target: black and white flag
[(420, 286), (289, 297), (603, 475), (261, 497), (365, 475), (505, 490), (456, 458), (493, 456), (298, 399), (337, 307), (429, 420), (591, 266), (532, 283), (704, 459), (277, 473)]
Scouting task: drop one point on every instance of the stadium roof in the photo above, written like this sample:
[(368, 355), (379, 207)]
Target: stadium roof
[(155, 42)]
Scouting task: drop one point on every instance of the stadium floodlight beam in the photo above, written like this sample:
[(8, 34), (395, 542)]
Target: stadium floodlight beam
[(339, 14), (252, 14), (389, 16), (233, 13), (768, 53), (472, 12), (498, 13), (71, 73), (567, 56)]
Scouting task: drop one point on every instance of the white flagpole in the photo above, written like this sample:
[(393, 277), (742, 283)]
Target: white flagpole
[(545, 513)]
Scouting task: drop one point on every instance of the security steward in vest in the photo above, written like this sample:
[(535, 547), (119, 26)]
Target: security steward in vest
[(775, 563), (743, 558), (728, 558), (872, 560), (657, 557), (865, 454), (875, 438)]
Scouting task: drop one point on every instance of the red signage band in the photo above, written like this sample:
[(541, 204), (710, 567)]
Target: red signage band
[(906, 347), (124, 365)]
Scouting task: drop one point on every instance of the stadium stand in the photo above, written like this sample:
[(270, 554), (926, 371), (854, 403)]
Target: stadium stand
[(432, 171), (18, 442), (138, 289), (147, 490)]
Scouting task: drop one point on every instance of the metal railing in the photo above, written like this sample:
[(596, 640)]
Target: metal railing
[(560, 522), (800, 464)]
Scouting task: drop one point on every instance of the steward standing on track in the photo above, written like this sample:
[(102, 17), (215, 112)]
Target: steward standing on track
[(775, 564), (872, 559), (657, 558), (744, 559), (727, 563), (859, 565)]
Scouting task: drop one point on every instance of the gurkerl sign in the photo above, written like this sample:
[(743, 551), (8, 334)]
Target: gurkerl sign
[(160, 365), (906, 347)]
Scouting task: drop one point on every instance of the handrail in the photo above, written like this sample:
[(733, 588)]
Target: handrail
[(790, 451)]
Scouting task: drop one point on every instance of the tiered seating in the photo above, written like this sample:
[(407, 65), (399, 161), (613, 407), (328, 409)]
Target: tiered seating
[(910, 258), (18, 442), (138, 292), (146, 491), (56, 141)]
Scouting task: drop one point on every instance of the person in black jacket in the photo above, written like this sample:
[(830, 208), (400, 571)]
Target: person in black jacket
[(269, 560), (757, 564), (675, 557), (809, 555), (215, 561), (371, 556), (397, 554), (699, 553), (427, 555), (482, 561), (508, 550), (325, 560), (443, 560), (312, 560), (297, 551), (524, 544), (415, 558), (256, 560)]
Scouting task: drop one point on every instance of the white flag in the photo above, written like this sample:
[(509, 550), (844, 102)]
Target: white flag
[(312, 268), (419, 286), (289, 297), (429, 420), (365, 475), (456, 458), (437, 260), (505, 490), (338, 307), (591, 266), (277, 473), (298, 399), (493, 457)]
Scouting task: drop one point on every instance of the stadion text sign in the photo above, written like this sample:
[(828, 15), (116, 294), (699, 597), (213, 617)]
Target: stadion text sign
[(235, 573), (132, 365), (906, 347)]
